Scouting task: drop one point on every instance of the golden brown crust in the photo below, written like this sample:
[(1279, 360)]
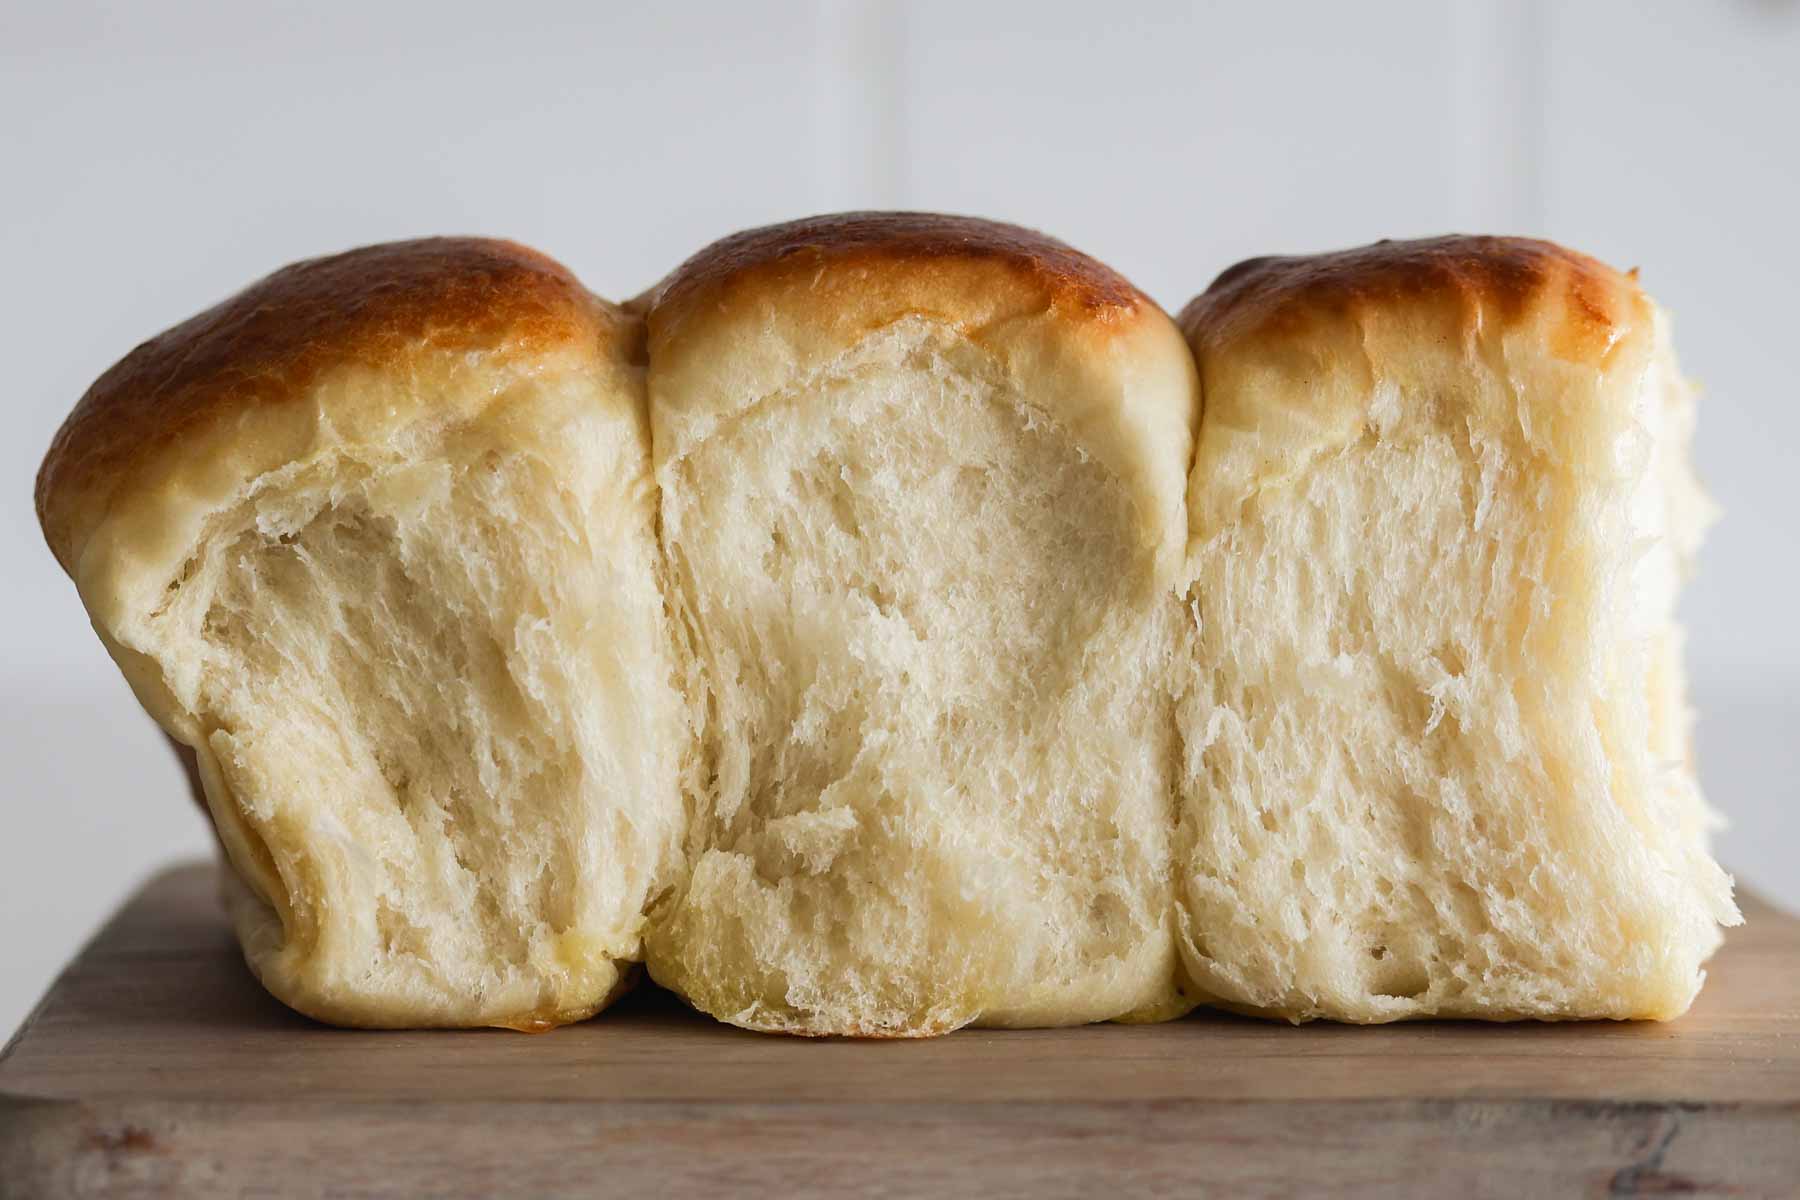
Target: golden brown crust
[(773, 309), (379, 306), (886, 239), (1474, 280)]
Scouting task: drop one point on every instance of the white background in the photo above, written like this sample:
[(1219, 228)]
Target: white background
[(155, 158)]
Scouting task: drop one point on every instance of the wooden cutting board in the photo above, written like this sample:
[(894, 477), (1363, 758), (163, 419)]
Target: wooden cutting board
[(156, 1066)]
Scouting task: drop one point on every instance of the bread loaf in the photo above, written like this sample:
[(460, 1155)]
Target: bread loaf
[(376, 539), (1435, 751), (871, 631)]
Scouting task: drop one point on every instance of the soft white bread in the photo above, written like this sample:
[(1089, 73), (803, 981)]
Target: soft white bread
[(922, 484), (1435, 753), (855, 632), (376, 539)]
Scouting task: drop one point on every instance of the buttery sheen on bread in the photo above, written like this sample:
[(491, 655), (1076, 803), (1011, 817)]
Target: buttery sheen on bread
[(871, 631)]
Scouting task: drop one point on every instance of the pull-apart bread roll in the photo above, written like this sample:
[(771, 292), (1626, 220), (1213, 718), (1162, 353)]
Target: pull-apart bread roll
[(922, 506), (376, 539), (1435, 750)]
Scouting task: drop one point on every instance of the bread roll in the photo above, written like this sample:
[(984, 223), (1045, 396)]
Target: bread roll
[(375, 539), (1434, 740), (921, 485)]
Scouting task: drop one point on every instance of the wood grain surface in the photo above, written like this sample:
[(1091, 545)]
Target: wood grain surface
[(156, 1066)]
